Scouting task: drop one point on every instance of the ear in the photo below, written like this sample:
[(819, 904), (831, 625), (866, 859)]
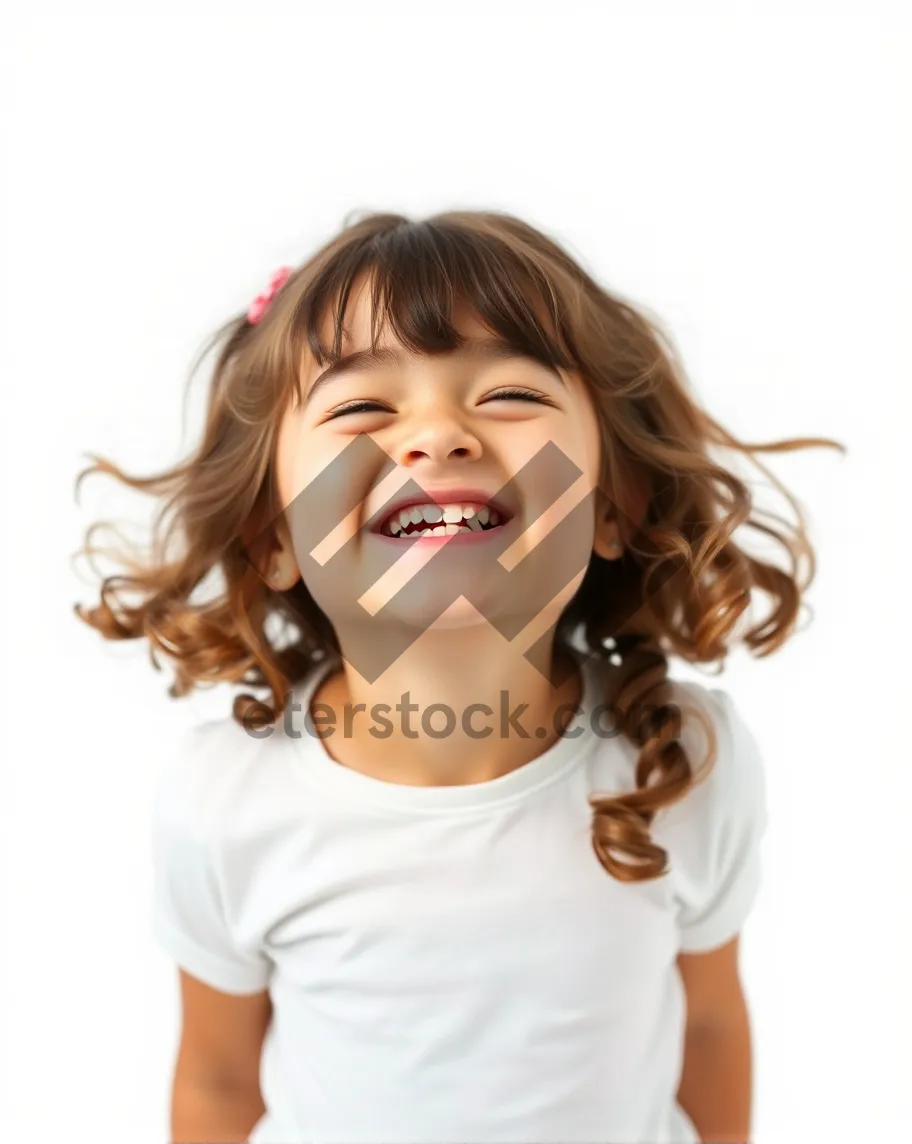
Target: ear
[(271, 552), (607, 541), (616, 522), (283, 567)]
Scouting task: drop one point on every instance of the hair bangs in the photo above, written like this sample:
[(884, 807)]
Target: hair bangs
[(420, 274)]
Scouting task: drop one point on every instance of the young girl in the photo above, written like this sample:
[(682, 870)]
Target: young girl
[(471, 866)]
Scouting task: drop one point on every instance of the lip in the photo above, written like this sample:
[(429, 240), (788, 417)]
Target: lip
[(453, 494)]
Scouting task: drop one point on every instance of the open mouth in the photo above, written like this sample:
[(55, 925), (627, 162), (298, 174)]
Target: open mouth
[(429, 519)]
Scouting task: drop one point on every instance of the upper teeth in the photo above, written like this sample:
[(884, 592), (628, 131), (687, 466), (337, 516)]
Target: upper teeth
[(442, 515)]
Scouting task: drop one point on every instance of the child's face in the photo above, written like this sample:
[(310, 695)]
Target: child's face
[(444, 431)]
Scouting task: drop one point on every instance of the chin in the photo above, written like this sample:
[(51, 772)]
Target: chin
[(463, 616), (460, 614), (425, 615)]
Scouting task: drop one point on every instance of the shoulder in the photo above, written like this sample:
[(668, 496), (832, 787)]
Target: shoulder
[(727, 796), (704, 717), (721, 747), (200, 774), (221, 777), (211, 825), (713, 834)]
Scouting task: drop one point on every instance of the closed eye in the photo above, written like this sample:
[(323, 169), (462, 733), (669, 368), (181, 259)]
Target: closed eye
[(514, 393), (357, 407)]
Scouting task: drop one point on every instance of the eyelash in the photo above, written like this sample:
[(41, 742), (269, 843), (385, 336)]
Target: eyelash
[(524, 394), (502, 394)]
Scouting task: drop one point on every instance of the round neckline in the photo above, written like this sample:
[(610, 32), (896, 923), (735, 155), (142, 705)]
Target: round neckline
[(356, 787)]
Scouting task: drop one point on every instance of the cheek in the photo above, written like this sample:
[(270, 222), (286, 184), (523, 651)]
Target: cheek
[(317, 477), (574, 429), (560, 518), (290, 455), (587, 430), (305, 458)]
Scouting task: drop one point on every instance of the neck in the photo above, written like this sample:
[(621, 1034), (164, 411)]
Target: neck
[(457, 706)]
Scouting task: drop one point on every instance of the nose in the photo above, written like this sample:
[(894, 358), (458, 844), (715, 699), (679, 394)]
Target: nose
[(438, 438)]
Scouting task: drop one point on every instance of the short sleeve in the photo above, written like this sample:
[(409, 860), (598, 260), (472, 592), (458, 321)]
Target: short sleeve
[(722, 824), (188, 900)]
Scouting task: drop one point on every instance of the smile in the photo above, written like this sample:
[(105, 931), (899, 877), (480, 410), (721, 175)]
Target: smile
[(441, 520)]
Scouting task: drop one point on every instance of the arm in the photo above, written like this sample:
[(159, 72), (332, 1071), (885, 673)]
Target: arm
[(716, 1080), (215, 1093)]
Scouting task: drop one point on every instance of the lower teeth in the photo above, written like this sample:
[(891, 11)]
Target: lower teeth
[(448, 530)]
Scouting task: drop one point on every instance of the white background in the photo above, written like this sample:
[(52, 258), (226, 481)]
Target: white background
[(742, 170)]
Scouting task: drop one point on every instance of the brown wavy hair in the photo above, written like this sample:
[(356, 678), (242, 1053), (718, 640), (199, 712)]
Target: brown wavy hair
[(680, 587)]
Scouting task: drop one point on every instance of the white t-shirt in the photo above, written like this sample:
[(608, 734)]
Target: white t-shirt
[(452, 963)]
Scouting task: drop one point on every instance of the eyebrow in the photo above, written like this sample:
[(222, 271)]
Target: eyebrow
[(482, 350)]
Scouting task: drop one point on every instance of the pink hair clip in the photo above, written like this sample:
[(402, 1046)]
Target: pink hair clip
[(262, 302)]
